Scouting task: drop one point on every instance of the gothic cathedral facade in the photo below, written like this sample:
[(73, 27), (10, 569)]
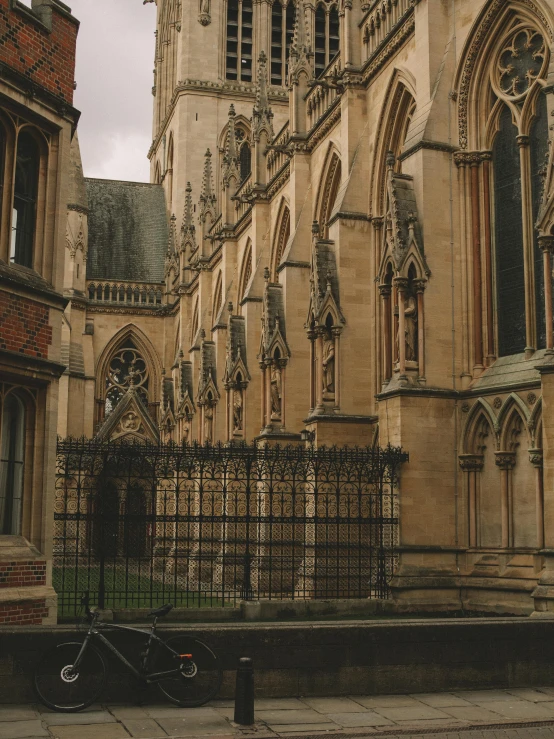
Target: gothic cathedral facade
[(347, 239)]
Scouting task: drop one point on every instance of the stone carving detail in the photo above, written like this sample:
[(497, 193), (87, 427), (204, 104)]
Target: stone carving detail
[(328, 365), (129, 422), (520, 62), (531, 398), (238, 408), (204, 16), (209, 424), (497, 403), (276, 392)]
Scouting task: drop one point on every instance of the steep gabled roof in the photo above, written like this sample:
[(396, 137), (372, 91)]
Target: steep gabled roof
[(128, 231)]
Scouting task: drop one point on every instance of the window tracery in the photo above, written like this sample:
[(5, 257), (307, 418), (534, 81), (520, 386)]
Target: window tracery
[(127, 368), (326, 35)]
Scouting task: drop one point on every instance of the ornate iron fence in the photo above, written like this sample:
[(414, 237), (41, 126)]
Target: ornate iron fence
[(137, 525)]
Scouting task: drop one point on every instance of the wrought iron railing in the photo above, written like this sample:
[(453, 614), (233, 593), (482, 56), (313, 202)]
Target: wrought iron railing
[(137, 525)]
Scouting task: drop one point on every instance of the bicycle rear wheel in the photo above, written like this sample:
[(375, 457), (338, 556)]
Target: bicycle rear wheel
[(199, 678), (62, 689)]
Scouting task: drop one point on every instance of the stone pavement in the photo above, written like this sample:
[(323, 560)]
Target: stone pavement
[(520, 713)]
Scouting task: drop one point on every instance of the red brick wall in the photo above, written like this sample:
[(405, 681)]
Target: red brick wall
[(47, 58), (24, 325), (22, 573), (25, 613)]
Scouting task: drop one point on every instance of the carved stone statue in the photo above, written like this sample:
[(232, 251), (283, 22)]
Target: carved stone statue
[(410, 328), (208, 424), (237, 410), (276, 393), (328, 364), (186, 429), (204, 17)]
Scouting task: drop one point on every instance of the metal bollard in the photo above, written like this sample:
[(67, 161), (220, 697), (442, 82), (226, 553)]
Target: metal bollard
[(244, 693)]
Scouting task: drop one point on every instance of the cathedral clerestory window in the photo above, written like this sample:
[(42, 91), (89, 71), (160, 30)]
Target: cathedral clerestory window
[(239, 40), (126, 368), (282, 30), (326, 36)]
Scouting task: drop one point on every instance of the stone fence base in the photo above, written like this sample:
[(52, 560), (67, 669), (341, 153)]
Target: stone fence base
[(329, 658)]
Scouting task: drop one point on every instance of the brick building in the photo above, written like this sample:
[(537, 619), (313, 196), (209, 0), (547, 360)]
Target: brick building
[(37, 125)]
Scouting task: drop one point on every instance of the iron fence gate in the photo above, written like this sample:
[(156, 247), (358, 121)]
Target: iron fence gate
[(137, 525)]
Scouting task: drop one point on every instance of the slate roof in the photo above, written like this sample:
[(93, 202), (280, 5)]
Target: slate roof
[(128, 231)]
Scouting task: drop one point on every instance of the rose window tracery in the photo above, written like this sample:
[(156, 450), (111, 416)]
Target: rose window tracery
[(521, 61), (126, 368)]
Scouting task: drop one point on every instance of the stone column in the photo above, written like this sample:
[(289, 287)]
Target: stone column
[(506, 461), (419, 287), (476, 244), (472, 464), (546, 244), (385, 291), (401, 286), (535, 457)]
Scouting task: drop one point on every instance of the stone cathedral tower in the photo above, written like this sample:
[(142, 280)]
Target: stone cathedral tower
[(204, 62)]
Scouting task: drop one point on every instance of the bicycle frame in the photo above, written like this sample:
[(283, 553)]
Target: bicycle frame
[(94, 634)]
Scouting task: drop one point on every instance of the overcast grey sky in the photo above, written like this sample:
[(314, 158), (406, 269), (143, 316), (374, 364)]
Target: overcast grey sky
[(115, 59)]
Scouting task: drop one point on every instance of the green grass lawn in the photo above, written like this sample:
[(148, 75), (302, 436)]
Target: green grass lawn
[(124, 590)]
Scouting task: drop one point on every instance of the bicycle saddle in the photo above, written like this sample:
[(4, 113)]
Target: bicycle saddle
[(162, 610)]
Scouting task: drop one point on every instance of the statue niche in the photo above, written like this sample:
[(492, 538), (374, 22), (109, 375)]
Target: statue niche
[(407, 323), (238, 407)]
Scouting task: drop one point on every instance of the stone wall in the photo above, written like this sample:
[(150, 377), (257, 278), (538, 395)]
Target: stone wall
[(324, 658)]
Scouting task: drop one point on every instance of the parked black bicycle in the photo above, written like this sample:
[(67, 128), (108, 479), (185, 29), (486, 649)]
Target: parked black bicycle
[(71, 676)]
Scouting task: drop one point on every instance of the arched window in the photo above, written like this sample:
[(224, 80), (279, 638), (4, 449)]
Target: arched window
[(282, 30), (326, 36), (25, 200), (245, 161), (127, 367), (239, 40), (12, 462), (520, 117)]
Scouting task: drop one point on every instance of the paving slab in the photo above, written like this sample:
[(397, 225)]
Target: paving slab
[(278, 718), (92, 717), (519, 709), (22, 713), (440, 700), (333, 705), (177, 712), (303, 728), (529, 694), (279, 704), (93, 731), (190, 727), (385, 701), (365, 718), (411, 713), (145, 728), (472, 713), (482, 696), (131, 712), (22, 729)]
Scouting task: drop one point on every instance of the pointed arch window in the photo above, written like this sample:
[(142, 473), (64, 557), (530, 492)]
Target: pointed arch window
[(25, 200), (126, 368), (282, 31), (239, 40), (519, 118), (12, 463), (326, 36)]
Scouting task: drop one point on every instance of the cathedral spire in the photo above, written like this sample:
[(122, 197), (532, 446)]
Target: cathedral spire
[(207, 195), (188, 230), (230, 157), (300, 49)]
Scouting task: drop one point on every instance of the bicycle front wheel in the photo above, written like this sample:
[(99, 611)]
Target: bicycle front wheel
[(64, 689), (198, 679)]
